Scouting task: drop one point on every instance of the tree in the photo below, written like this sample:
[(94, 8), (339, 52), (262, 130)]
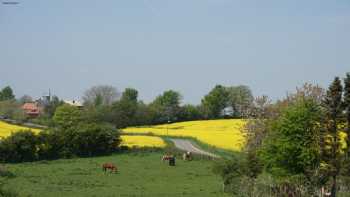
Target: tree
[(67, 116), (310, 91), (12, 109), (125, 109), (130, 94), (347, 108), (167, 106), (256, 129), (100, 95), (52, 105), (333, 105), (25, 99), (240, 99), (6, 94), (144, 114), (214, 102), (189, 112), (292, 145)]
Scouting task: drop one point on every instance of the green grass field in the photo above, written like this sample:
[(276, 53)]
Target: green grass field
[(140, 174)]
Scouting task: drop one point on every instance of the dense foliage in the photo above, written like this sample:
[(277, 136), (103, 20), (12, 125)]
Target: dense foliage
[(20, 146), (72, 135), (292, 145), (6, 94), (296, 146), (83, 140)]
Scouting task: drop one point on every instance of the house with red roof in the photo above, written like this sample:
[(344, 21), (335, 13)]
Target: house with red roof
[(32, 109)]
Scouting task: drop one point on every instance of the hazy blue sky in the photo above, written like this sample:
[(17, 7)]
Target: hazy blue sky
[(186, 45)]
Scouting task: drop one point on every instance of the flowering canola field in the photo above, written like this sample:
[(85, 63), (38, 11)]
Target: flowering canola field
[(225, 134), (142, 141), (6, 129)]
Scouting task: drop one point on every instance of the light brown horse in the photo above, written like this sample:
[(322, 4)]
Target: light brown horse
[(187, 156), (110, 166)]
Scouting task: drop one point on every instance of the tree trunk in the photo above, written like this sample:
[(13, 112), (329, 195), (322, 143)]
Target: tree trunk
[(334, 186)]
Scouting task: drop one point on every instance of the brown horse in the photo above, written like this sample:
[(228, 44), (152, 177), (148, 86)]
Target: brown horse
[(110, 166), (167, 157)]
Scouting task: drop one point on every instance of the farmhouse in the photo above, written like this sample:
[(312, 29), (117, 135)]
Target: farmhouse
[(74, 103), (32, 109)]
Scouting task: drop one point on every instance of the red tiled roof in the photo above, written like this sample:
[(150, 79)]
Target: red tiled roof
[(30, 107)]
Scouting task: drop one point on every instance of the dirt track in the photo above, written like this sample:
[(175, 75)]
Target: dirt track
[(187, 145)]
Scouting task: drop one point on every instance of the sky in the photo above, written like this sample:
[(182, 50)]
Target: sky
[(189, 46)]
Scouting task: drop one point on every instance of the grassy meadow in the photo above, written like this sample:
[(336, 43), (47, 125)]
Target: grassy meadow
[(140, 174)]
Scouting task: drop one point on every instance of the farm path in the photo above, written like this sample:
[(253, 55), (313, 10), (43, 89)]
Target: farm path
[(187, 145)]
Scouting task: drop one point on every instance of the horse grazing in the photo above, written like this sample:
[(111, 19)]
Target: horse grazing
[(187, 156), (109, 166), (166, 157)]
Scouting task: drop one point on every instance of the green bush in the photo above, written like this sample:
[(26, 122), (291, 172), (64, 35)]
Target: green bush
[(88, 139), (94, 139), (52, 144), (83, 140), (20, 146)]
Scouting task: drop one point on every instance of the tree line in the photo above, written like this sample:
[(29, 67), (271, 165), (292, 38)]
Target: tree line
[(298, 146), (93, 129), (105, 103), (126, 109)]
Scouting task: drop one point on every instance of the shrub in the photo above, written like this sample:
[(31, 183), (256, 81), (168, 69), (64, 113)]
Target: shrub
[(82, 140), (52, 144), (20, 146), (94, 139)]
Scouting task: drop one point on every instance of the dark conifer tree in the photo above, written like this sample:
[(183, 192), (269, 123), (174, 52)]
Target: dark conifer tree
[(347, 108), (334, 107)]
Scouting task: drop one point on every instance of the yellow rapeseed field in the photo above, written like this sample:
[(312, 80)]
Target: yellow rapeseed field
[(6, 129), (142, 141), (225, 134)]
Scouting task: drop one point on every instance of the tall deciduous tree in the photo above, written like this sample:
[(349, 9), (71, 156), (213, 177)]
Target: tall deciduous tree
[(6, 94), (214, 102), (124, 110), (190, 112), (130, 94), (25, 99), (167, 106), (67, 116), (334, 107), (240, 99), (100, 95), (292, 146)]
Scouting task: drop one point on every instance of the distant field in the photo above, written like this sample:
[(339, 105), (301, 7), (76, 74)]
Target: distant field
[(141, 174), (6, 129), (142, 141), (225, 134)]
